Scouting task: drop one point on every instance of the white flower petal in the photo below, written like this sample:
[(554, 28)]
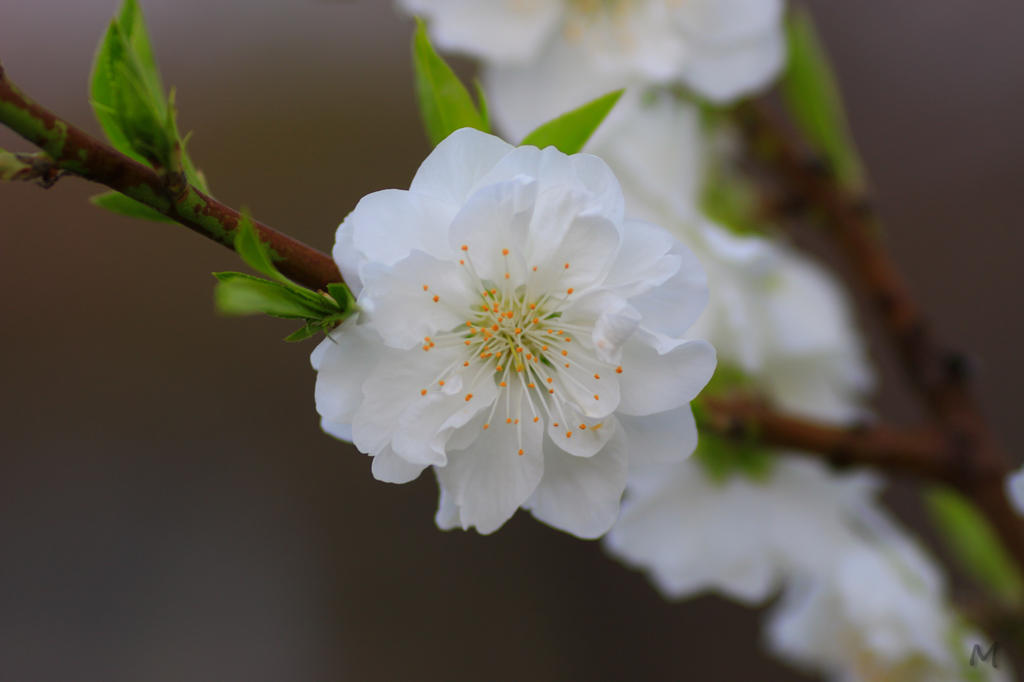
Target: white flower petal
[(402, 296), (1015, 490), (424, 428), (661, 437), (489, 480), (580, 495), (730, 21), (339, 431), (581, 436), (651, 382), (496, 31), (447, 516), (347, 258), (388, 225), (725, 74), (454, 168), (391, 388), (674, 306), (347, 358), (505, 209), (390, 468)]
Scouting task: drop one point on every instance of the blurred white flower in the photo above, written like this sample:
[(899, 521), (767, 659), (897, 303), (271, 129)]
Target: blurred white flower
[(741, 538), (879, 613), (518, 334), (1015, 490), (544, 57)]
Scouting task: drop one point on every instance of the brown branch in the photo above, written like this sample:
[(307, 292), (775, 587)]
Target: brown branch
[(74, 151), (975, 461)]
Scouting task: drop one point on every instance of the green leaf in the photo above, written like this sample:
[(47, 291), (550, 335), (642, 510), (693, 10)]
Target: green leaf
[(128, 98), (975, 544), (445, 104), (303, 333), (254, 252), (569, 132), (241, 294), (115, 202), (812, 95), (12, 167)]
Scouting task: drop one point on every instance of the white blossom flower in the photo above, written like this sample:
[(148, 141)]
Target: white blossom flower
[(1015, 490), (740, 538), (879, 613), (548, 56), (517, 333)]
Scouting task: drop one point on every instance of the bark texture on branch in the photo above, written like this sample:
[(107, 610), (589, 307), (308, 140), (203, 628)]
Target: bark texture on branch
[(76, 152)]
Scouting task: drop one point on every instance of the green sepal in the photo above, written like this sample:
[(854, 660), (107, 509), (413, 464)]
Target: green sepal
[(812, 94), (975, 544), (115, 202), (303, 333), (12, 167), (569, 132), (342, 295), (241, 294), (445, 104)]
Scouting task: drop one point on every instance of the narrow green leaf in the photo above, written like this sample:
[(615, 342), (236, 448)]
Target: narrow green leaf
[(343, 296), (104, 84), (303, 333), (133, 25), (481, 100), (241, 294), (975, 544), (445, 104), (253, 251), (12, 167), (115, 202), (813, 97), (569, 132)]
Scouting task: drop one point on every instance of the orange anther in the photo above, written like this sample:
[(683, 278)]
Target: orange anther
[(516, 421), (504, 252), (618, 370), (535, 268), (555, 424), (531, 385), (550, 380), (425, 287), (469, 397), (503, 384), (529, 357), (597, 397), (498, 368), (569, 290), (560, 332), (543, 347), (520, 453), (566, 266), (551, 390), (565, 352), (468, 342), (493, 291), (440, 383), (536, 419), (533, 306), (536, 320), (508, 421), (426, 347), (494, 327), (519, 349), (431, 344), (423, 392), (465, 248), (507, 275), (597, 376), (567, 365), (518, 330), (568, 340), (568, 434), (509, 314), (466, 363), (436, 299), (486, 426), (583, 427), (462, 262)]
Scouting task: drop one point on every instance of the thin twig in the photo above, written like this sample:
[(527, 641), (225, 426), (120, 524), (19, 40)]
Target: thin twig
[(76, 152)]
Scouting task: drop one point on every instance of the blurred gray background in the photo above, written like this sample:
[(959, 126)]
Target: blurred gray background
[(170, 510)]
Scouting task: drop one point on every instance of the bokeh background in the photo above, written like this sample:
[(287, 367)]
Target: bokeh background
[(170, 510)]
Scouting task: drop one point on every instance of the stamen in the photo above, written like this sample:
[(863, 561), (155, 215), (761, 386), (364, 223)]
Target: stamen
[(569, 290), (504, 252), (618, 370), (425, 287), (440, 383), (465, 248), (423, 392), (597, 376), (536, 419), (568, 434), (520, 453), (566, 266), (436, 299)]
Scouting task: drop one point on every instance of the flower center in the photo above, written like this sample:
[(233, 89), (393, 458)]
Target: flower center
[(514, 336)]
